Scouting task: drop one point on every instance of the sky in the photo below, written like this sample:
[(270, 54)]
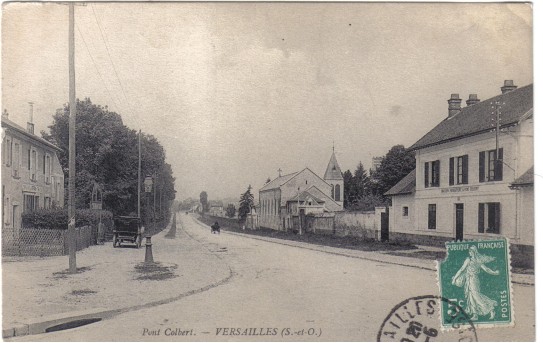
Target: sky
[(235, 91)]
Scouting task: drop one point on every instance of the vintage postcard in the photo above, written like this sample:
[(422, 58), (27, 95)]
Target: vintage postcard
[(267, 171)]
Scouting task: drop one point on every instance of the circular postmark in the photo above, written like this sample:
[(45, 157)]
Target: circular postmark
[(418, 319)]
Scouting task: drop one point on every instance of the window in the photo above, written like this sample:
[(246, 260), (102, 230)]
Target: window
[(47, 168), (30, 202), (432, 216), (338, 193), (490, 165), (332, 193), (6, 213), (489, 217), (458, 170), (16, 159), (405, 211), (46, 203), (8, 152), (32, 163), (431, 174)]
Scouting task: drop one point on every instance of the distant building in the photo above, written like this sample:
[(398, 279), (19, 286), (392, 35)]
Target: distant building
[(32, 177), (216, 208), (462, 187), (282, 199), (376, 163)]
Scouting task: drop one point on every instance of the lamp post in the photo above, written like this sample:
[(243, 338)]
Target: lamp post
[(148, 186)]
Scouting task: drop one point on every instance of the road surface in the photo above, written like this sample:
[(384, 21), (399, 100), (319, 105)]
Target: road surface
[(277, 287)]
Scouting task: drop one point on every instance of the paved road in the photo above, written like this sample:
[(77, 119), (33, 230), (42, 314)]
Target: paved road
[(278, 286)]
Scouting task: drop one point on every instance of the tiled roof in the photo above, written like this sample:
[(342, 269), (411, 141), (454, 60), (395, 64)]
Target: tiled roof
[(20, 129), (478, 118), (525, 179), (277, 182), (333, 172), (305, 196), (406, 185)]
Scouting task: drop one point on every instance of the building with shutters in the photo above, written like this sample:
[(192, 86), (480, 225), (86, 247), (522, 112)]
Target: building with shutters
[(32, 177), (281, 200), (462, 186)]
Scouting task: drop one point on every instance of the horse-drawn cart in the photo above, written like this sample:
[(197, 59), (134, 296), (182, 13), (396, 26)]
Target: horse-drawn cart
[(127, 229)]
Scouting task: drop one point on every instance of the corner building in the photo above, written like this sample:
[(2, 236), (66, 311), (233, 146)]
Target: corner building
[(462, 186)]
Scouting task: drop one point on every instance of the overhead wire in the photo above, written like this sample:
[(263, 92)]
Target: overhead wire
[(110, 59), (96, 67)]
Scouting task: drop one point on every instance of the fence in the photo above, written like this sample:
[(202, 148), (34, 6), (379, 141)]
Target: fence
[(44, 242)]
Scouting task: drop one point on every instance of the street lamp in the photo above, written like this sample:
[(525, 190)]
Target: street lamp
[(148, 187)]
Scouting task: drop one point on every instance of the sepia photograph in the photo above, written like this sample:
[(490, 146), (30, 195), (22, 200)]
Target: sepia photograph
[(267, 171)]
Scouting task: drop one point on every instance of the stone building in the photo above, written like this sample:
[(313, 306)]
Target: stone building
[(32, 176), (282, 199), (469, 182)]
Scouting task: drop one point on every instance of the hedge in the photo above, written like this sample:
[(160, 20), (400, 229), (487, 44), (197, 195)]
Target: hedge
[(57, 218)]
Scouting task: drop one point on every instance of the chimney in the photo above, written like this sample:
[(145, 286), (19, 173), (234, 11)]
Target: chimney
[(472, 100), (455, 104), (30, 123), (5, 114), (508, 86)]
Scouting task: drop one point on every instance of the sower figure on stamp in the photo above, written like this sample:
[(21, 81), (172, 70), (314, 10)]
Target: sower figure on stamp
[(477, 304)]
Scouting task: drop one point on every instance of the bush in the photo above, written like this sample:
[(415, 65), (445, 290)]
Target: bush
[(57, 218)]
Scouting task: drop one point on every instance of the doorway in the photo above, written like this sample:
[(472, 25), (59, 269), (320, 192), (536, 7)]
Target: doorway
[(459, 221)]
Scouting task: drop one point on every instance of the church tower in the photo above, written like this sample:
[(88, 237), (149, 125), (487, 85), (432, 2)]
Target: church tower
[(334, 178)]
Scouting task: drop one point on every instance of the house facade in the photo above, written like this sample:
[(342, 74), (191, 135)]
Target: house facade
[(469, 182), (32, 177), (282, 199)]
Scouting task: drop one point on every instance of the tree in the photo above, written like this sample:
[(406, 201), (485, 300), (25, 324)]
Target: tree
[(107, 153), (360, 182), (348, 189), (204, 202), (230, 211), (246, 202), (397, 163)]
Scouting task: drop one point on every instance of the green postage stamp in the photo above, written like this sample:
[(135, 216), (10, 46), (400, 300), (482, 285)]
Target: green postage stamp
[(476, 276)]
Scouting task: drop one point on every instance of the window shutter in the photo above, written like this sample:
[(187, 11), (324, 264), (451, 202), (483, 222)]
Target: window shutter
[(482, 166), (499, 166), (426, 167), (481, 218), (465, 168), (437, 173), (451, 171), (497, 218)]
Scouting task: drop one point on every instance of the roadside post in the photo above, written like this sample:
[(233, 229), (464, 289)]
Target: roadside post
[(148, 184)]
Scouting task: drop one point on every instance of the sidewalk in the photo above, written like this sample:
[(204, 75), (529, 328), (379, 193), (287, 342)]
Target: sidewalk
[(382, 257), (37, 290)]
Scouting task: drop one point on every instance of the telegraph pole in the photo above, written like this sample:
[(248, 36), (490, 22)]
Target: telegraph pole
[(71, 163), (139, 174)]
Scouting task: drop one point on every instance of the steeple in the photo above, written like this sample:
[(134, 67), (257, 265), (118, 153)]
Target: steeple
[(333, 172)]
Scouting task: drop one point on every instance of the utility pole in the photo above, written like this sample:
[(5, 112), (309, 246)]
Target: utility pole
[(71, 163), (496, 106), (139, 174)]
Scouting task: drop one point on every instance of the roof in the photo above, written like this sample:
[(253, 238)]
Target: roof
[(277, 182), (478, 118), (406, 185), (525, 179), (333, 172), (20, 129), (305, 196)]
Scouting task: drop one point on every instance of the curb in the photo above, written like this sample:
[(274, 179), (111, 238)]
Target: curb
[(40, 325), (521, 279)]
